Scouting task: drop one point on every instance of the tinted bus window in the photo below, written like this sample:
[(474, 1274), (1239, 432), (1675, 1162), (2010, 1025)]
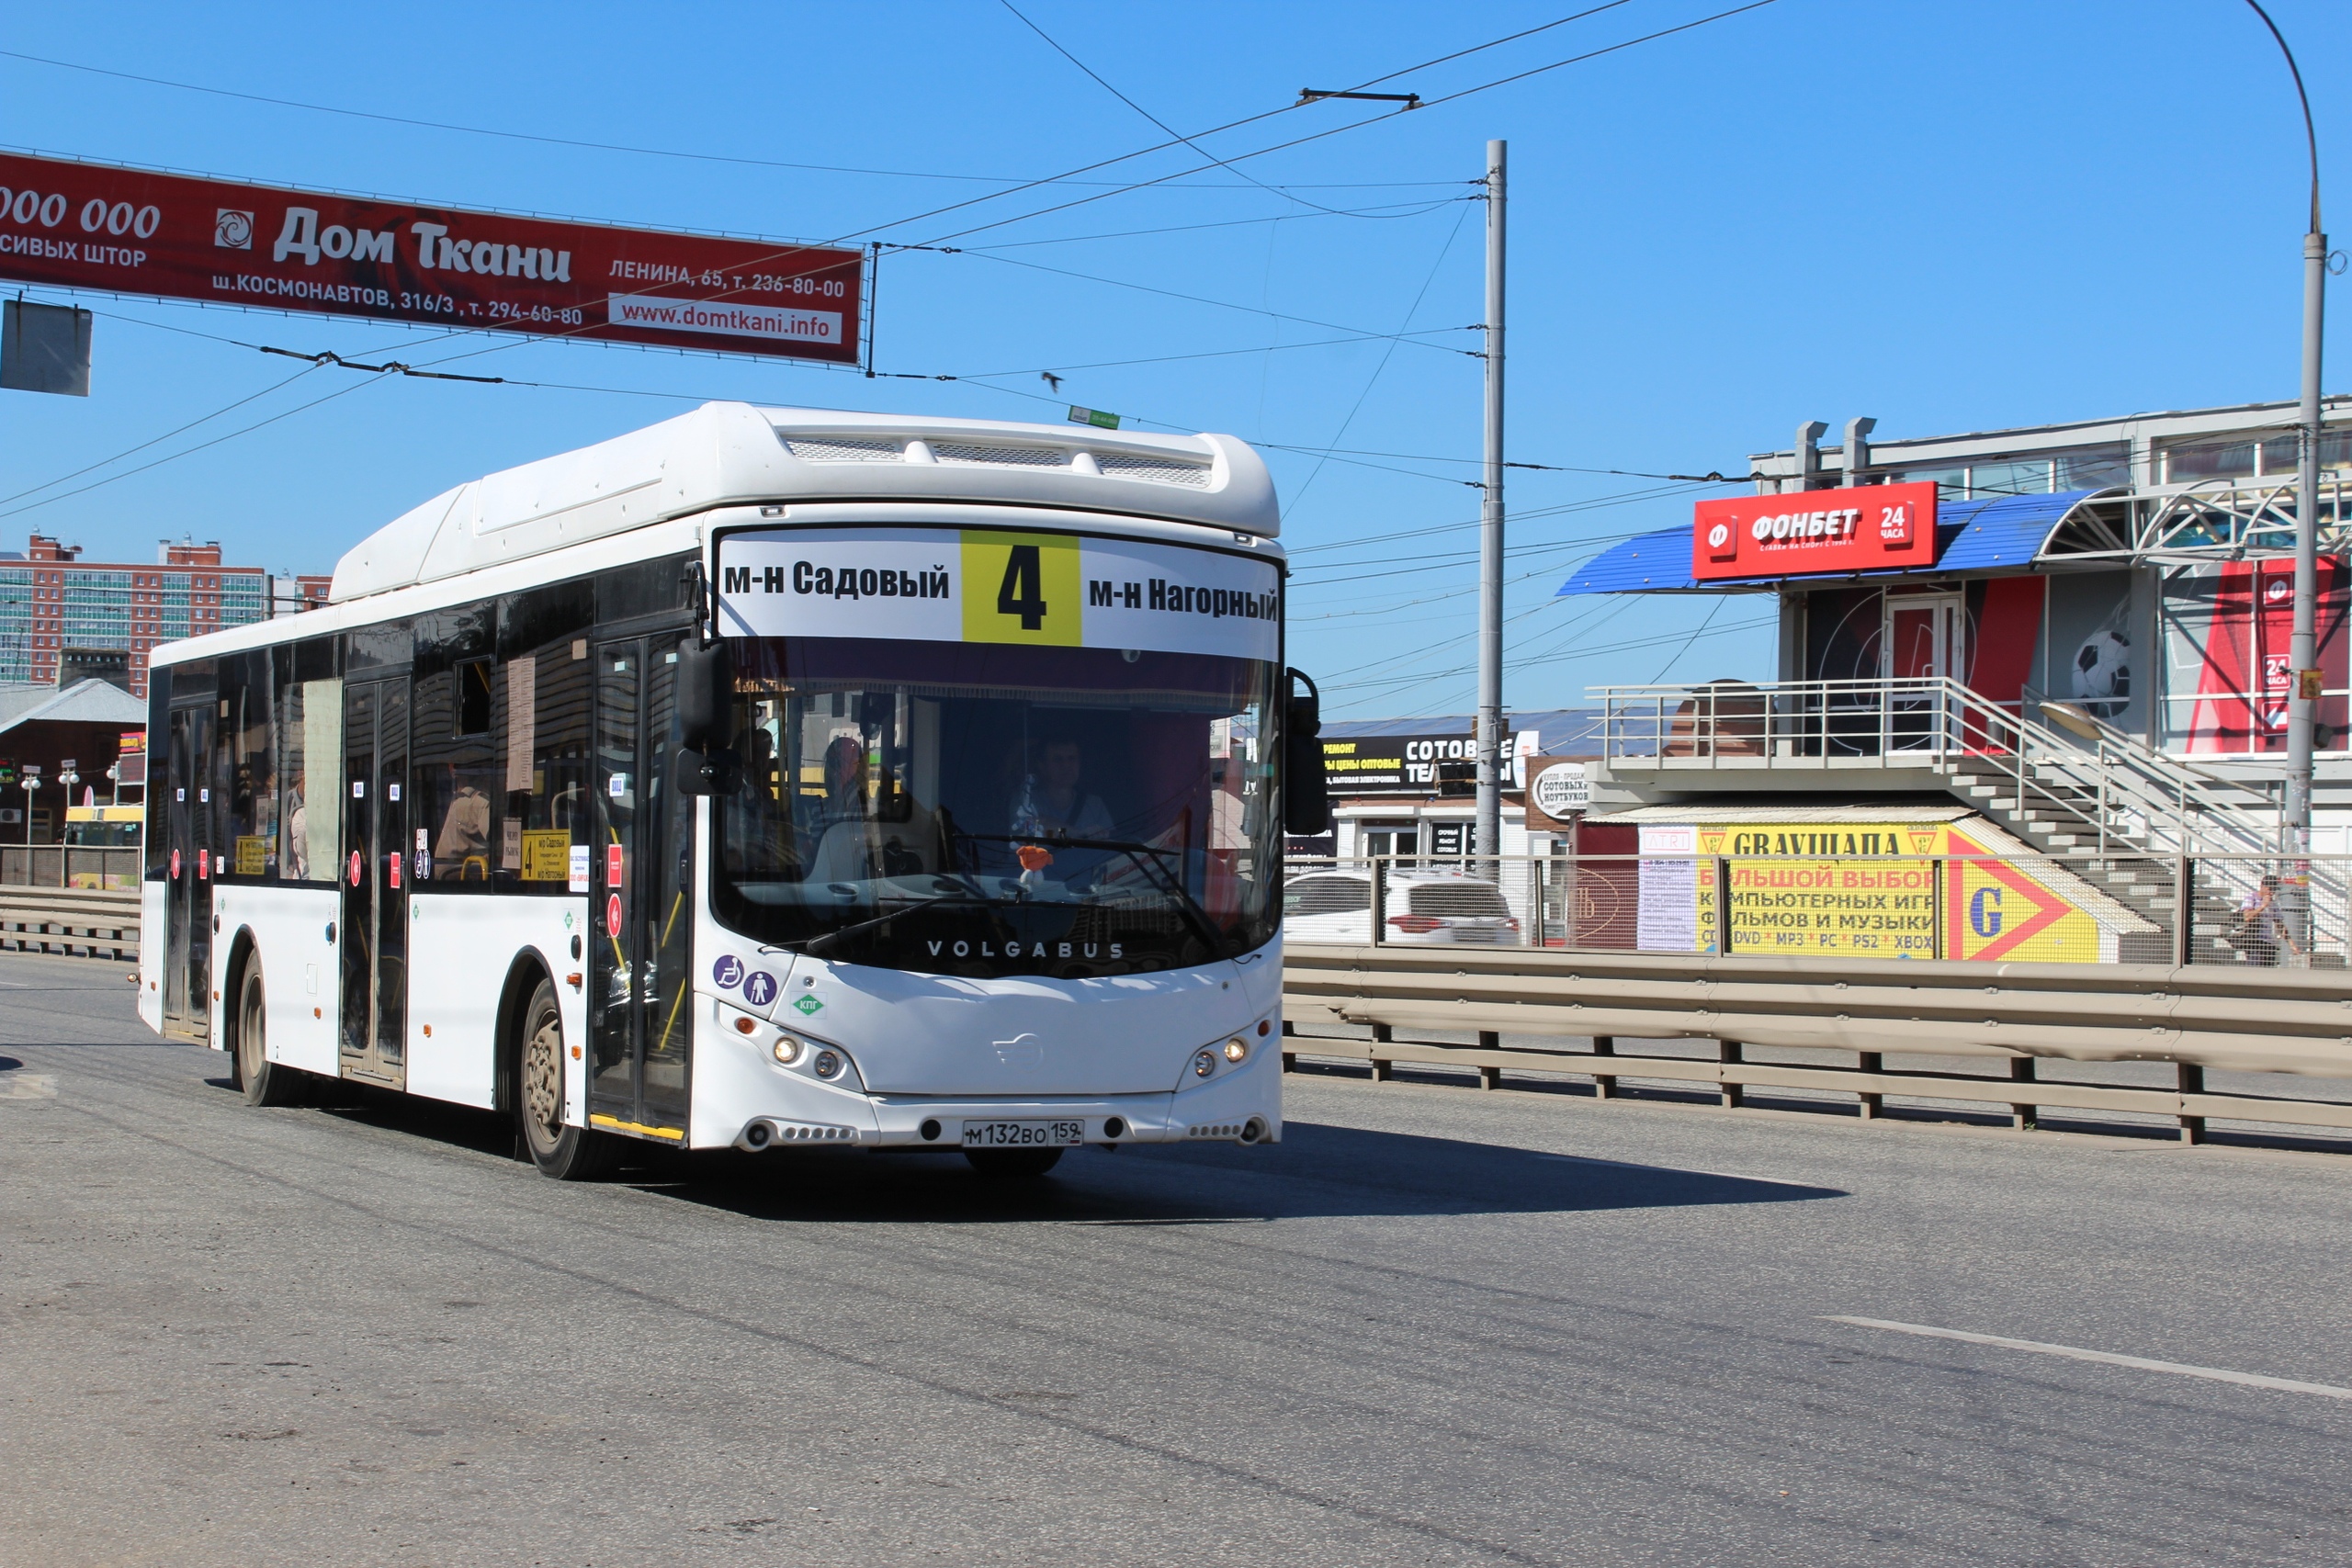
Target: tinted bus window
[(245, 770), (309, 764), (454, 763), (159, 730), (543, 759)]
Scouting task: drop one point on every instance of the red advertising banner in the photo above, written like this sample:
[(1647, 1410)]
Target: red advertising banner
[(2244, 619), (1873, 528), (171, 236)]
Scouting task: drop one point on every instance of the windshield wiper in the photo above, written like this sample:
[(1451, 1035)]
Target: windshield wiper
[(1149, 856), (816, 945)]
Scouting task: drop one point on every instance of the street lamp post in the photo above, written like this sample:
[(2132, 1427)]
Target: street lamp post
[(32, 783), (2302, 649)]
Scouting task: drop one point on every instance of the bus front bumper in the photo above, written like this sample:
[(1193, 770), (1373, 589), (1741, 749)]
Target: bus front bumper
[(950, 1124)]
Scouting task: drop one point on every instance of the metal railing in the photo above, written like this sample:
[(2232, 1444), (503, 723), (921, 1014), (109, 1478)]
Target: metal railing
[(65, 866), (2124, 797), (1939, 1032), (2260, 910)]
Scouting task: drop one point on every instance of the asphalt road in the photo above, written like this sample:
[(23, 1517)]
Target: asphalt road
[(1435, 1327)]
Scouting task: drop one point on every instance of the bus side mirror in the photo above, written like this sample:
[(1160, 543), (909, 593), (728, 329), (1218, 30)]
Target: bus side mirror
[(705, 692), (716, 771), (1307, 795)]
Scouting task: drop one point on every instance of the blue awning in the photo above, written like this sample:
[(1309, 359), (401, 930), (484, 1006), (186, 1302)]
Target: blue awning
[(1976, 536)]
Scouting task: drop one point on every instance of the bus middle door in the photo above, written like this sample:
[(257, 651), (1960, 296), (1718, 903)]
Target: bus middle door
[(375, 882), (187, 959), (639, 917)]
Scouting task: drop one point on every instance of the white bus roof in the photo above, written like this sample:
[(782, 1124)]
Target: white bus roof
[(736, 454)]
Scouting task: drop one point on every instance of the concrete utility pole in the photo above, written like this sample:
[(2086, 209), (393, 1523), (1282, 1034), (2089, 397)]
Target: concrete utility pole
[(1490, 536), (2302, 649)]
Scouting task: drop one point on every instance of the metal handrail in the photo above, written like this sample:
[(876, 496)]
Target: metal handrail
[(2183, 809)]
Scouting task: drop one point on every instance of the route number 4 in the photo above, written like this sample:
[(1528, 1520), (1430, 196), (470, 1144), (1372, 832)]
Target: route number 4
[(1022, 593)]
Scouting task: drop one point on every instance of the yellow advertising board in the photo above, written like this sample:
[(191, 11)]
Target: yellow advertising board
[(1828, 889)]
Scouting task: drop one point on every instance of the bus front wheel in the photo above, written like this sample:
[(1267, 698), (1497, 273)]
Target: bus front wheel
[(264, 1082), (1012, 1165), (567, 1154)]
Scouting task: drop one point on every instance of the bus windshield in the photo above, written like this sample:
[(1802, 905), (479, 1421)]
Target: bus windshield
[(990, 809)]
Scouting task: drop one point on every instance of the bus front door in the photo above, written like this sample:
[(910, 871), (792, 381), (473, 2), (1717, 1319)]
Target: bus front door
[(188, 957), (375, 877), (640, 914)]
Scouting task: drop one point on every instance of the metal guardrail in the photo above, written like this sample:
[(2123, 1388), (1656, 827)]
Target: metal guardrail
[(95, 923), (2263, 911), (2195, 1019), (69, 865)]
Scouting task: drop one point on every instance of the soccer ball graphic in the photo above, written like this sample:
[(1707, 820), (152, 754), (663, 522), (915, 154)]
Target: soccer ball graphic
[(2103, 673)]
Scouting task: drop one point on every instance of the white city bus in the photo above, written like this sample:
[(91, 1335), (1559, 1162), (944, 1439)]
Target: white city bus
[(763, 778)]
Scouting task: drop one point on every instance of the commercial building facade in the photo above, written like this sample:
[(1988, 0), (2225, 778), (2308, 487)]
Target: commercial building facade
[(61, 616), (2136, 573)]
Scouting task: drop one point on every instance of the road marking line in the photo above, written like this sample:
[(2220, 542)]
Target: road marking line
[(2251, 1380)]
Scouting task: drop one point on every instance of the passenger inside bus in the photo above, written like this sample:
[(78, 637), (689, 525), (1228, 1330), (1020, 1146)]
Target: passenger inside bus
[(1052, 802), (297, 858), (462, 846)]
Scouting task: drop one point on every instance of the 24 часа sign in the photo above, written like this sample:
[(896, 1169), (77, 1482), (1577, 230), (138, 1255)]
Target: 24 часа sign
[(988, 585)]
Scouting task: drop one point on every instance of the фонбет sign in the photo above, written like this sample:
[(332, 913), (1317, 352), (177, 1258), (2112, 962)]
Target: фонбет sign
[(171, 236), (1873, 528)]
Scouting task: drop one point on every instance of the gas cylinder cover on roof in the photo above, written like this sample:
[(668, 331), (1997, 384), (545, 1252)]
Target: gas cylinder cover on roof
[(735, 454)]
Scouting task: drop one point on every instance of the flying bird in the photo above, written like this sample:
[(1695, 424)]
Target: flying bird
[(1050, 379)]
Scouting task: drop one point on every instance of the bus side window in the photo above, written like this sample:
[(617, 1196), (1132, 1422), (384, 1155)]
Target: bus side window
[(541, 714), (454, 767), (158, 792), (309, 767), (247, 773)]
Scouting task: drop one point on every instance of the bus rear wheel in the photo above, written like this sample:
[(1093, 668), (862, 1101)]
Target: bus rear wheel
[(264, 1082), (1013, 1165), (567, 1154)]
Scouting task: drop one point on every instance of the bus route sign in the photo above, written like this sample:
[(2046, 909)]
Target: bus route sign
[(96, 226)]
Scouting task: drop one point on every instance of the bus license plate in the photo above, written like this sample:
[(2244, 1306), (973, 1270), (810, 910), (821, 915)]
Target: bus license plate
[(1023, 1134)]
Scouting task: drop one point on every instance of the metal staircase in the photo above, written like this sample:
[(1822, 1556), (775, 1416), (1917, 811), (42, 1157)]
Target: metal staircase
[(2122, 817)]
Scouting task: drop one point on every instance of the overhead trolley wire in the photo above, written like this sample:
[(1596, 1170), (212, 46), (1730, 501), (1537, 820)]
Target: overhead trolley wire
[(1031, 185), (1193, 298), (1419, 209), (1098, 81), (1015, 181), (191, 451), (1334, 130)]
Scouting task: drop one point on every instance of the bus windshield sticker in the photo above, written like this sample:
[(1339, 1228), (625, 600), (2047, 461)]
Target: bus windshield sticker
[(991, 586)]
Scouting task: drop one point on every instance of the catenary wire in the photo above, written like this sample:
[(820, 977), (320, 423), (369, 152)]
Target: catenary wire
[(1321, 135), (1009, 180), (1097, 78)]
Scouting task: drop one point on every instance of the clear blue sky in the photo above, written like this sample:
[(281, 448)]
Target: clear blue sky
[(1952, 216)]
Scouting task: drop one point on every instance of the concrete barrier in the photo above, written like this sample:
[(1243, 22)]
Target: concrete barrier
[(70, 920)]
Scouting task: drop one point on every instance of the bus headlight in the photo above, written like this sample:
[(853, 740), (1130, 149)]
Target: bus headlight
[(1204, 1063), (827, 1064), (787, 1049), (1235, 1049)]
